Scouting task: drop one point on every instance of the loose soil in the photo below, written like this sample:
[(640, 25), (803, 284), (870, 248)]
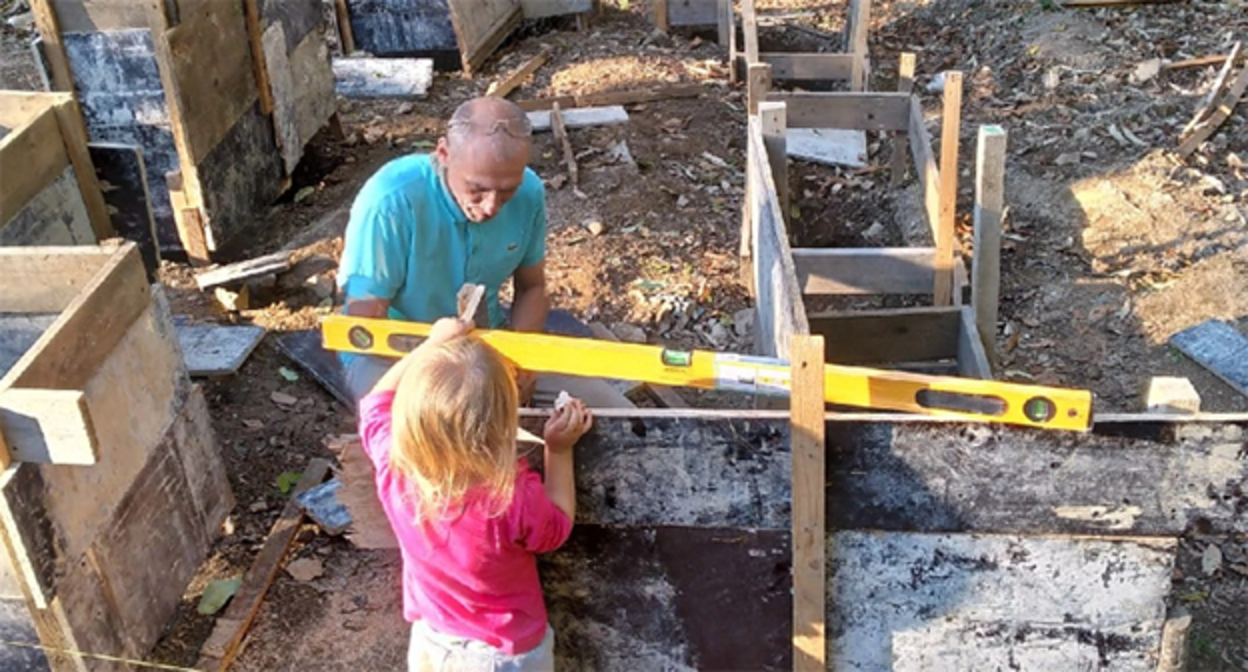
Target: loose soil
[(1112, 245)]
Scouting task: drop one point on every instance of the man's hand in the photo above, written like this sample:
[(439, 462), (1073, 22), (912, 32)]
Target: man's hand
[(567, 426), (447, 329)]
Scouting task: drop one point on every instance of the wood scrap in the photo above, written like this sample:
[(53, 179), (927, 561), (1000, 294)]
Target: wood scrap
[(569, 157), (227, 635), (579, 118), (1221, 111), (505, 86), (630, 97), (382, 77), (472, 305), (244, 270), (1216, 59), (1215, 92)]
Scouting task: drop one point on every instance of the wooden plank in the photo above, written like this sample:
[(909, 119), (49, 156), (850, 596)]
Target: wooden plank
[(46, 21), (758, 83), (973, 360), (771, 119), (283, 100), (946, 243), (1222, 111), (191, 230), (809, 67), (683, 13), (858, 111), (256, 33), (56, 216), (988, 215), (210, 75), (31, 158), (727, 27), (74, 135), (749, 29), (861, 271), (503, 87), (68, 354), (1218, 347), (809, 500), (660, 16), (346, 37), (905, 84), (93, 16), (887, 336), (859, 25), (217, 350), (1215, 90), (582, 117), (122, 176), (925, 164), (223, 644), (382, 77), (481, 26), (242, 271), (629, 97), (52, 277), (47, 426)]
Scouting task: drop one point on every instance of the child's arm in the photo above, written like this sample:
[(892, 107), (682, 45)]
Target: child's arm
[(445, 329), (563, 429)]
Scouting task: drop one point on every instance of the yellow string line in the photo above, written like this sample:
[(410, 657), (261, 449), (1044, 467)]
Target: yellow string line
[(98, 656)]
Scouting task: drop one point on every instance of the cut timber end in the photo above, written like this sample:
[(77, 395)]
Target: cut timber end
[(1166, 394), (244, 270)]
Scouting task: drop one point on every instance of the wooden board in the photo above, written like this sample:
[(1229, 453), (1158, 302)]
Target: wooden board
[(93, 16), (973, 360), (387, 28), (299, 18), (217, 350), (313, 77), (881, 270), (692, 13), (829, 146), (584, 117), (47, 426), (887, 336), (209, 74), (628, 97), (539, 9), (925, 164), (808, 67), (31, 158), (57, 215), (19, 331), (946, 244), (232, 205), (122, 175), (1218, 347), (54, 276), (242, 271), (987, 219), (503, 87), (856, 111), (282, 87), (382, 77), (481, 26), (810, 550), (1223, 108)]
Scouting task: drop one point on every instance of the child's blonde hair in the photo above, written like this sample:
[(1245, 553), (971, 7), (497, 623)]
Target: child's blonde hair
[(455, 416)]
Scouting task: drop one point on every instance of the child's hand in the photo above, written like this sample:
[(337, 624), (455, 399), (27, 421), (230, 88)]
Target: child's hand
[(448, 329), (567, 425)]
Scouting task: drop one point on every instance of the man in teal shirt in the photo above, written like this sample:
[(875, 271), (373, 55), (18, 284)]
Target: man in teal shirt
[(471, 212)]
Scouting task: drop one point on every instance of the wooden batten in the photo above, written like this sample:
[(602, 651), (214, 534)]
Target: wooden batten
[(808, 448), (946, 243), (924, 163), (809, 67), (855, 111), (989, 212), (901, 139), (973, 360), (875, 270)]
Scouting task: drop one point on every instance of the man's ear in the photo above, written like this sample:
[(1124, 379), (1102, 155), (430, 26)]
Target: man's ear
[(442, 152)]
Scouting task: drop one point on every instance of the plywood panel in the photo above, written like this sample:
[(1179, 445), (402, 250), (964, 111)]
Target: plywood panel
[(401, 27), (94, 16), (538, 9), (692, 12), (53, 276), (881, 270), (481, 26), (122, 175)]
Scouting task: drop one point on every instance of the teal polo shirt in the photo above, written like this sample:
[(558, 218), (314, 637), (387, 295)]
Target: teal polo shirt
[(408, 241)]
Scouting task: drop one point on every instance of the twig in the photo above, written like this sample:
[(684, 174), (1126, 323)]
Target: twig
[(1217, 59), (505, 86), (569, 157)]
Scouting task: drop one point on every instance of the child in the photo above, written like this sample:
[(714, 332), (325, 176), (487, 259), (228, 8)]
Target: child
[(470, 516)]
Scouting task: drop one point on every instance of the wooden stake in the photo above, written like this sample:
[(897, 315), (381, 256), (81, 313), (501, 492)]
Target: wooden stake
[(509, 83), (806, 355), (74, 133), (53, 48), (989, 211), (758, 83), (749, 26), (1217, 59), (945, 243), (346, 35), (727, 29), (905, 83), (561, 135), (661, 21), (856, 39), (1215, 93), (227, 635), (773, 120)]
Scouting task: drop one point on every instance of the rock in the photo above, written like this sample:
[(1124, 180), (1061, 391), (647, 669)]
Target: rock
[(1146, 70), (682, 201), (322, 286), (658, 38), (743, 322), (305, 569), (630, 333), (404, 108), (233, 301), (874, 232), (24, 21), (596, 227), (1211, 560), (1052, 78), (1067, 159), (718, 334), (258, 506), (937, 85), (619, 153), (283, 399)]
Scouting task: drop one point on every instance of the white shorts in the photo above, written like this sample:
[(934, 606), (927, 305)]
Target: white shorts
[(432, 651)]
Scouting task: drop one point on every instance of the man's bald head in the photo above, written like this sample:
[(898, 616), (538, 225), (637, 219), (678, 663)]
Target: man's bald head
[(484, 154)]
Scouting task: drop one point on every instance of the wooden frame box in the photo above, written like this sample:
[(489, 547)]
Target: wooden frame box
[(97, 556), (50, 196), (221, 96)]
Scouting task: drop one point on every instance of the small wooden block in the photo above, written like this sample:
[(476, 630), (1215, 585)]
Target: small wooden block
[(581, 117), (1219, 348), (382, 77), (50, 426), (472, 305), (1170, 394), (217, 350)]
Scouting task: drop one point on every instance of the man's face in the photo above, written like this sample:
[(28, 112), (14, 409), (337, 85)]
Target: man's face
[(479, 179)]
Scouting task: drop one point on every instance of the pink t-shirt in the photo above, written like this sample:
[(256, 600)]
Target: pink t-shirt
[(470, 576)]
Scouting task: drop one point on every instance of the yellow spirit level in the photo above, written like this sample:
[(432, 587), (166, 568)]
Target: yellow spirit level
[(939, 396)]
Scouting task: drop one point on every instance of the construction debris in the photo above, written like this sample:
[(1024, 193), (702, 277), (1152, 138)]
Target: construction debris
[(244, 270), (631, 97), (510, 83), (579, 118), (382, 77), (1218, 106), (217, 350), (561, 136)]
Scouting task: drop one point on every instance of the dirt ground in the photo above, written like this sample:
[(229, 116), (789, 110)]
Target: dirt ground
[(1112, 245)]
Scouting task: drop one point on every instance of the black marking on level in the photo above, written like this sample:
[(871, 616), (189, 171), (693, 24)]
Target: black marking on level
[(961, 402), (403, 342)]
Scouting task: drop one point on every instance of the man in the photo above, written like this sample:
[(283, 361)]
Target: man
[(471, 212)]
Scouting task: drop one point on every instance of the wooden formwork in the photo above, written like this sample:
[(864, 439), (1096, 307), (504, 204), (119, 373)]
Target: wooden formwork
[(221, 96), (98, 549), (50, 196), (946, 330)]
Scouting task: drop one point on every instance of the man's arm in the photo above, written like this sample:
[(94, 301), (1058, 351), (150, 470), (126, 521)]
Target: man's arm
[(528, 313), (375, 308)]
